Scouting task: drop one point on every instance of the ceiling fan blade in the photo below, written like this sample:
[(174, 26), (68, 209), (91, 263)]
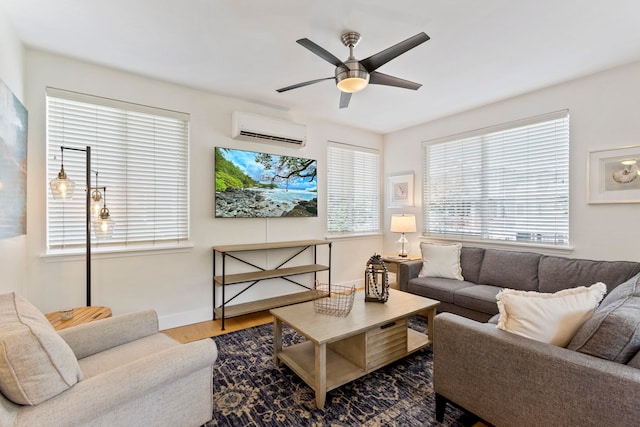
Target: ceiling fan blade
[(321, 52), (377, 78), (345, 97), (379, 59), (297, 85)]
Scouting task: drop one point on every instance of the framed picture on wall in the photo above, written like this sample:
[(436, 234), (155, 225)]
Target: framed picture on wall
[(400, 191), (613, 175)]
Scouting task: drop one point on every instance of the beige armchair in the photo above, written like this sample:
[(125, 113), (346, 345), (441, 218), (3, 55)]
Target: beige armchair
[(111, 372)]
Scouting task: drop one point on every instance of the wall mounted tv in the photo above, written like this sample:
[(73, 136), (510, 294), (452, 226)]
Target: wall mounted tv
[(262, 185)]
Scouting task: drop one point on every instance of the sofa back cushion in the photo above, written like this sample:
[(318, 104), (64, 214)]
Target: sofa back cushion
[(613, 333), (35, 362), (509, 269), (557, 273), (471, 261)]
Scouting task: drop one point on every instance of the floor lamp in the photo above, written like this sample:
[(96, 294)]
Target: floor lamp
[(63, 188)]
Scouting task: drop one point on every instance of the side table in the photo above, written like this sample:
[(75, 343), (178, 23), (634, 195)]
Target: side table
[(80, 315), (392, 262)]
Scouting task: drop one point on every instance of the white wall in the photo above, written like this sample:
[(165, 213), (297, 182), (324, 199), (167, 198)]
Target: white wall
[(604, 114), (12, 250), (176, 284)]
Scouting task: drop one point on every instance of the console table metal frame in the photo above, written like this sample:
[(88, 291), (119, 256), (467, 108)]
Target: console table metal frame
[(261, 274)]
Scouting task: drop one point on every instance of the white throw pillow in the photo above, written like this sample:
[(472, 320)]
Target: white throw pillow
[(551, 318), (441, 261)]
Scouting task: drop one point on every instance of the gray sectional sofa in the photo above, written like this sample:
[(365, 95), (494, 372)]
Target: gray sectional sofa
[(487, 271), (509, 380)]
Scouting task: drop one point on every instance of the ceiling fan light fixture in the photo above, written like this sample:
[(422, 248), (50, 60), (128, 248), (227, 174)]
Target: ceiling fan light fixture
[(352, 80), (353, 84), (352, 75)]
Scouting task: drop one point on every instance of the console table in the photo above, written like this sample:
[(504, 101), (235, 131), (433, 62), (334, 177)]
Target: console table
[(258, 274)]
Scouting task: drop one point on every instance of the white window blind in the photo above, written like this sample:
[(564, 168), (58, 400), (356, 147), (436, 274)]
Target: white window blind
[(141, 155), (353, 194), (505, 183)]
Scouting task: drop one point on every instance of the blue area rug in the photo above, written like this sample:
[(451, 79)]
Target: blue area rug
[(249, 390)]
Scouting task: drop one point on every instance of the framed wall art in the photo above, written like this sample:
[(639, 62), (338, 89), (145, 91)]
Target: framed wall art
[(613, 175), (400, 191)]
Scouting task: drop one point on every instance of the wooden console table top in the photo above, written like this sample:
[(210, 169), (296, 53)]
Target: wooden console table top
[(80, 315)]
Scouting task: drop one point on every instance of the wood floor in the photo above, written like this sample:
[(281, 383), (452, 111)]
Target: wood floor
[(212, 328)]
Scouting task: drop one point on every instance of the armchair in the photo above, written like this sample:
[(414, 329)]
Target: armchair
[(115, 371)]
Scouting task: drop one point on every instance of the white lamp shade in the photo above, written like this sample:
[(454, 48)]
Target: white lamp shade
[(401, 223)]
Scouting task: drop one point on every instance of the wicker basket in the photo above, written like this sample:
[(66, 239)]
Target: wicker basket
[(336, 300)]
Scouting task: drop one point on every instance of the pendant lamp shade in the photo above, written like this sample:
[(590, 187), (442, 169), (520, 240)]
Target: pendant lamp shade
[(62, 187)]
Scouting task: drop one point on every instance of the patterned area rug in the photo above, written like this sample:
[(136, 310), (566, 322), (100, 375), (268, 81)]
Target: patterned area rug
[(249, 390)]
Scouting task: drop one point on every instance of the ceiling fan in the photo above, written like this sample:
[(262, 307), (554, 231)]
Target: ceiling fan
[(352, 75)]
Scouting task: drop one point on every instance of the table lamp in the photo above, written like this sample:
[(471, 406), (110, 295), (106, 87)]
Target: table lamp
[(401, 223)]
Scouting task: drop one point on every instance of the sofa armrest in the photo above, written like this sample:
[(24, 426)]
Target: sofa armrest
[(408, 270), (95, 337), (102, 393), (507, 379)]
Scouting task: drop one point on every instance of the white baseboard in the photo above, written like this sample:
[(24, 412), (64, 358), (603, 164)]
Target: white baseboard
[(185, 318)]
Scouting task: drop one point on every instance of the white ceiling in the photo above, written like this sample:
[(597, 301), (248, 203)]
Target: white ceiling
[(479, 52)]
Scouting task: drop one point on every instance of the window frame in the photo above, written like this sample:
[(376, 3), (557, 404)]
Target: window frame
[(374, 192), (561, 141), (117, 197)]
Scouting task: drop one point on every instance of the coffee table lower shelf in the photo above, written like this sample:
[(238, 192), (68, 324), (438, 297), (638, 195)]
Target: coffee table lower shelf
[(338, 350), (301, 358)]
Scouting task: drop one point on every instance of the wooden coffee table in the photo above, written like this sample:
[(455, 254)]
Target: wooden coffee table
[(340, 349)]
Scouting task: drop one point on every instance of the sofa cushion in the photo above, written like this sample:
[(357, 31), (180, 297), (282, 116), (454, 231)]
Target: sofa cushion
[(557, 273), (35, 362), (613, 333), (495, 319), (471, 262), (479, 297), (441, 260), (507, 269), (437, 288), (551, 318), (635, 361)]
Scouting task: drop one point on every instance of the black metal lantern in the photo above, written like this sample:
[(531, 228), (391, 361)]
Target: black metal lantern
[(376, 280)]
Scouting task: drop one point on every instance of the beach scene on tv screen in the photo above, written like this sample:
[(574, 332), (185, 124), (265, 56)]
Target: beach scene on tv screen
[(261, 185)]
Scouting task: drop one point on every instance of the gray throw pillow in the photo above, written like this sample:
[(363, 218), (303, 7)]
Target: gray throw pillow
[(613, 333)]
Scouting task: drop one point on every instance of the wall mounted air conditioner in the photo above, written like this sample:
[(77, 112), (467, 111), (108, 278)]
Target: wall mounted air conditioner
[(253, 127)]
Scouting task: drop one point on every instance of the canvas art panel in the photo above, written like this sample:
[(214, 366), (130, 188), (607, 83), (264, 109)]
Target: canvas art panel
[(13, 164), (614, 175), (262, 185)]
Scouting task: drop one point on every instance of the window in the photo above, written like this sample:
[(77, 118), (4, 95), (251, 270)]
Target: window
[(141, 156), (505, 183), (353, 193)]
